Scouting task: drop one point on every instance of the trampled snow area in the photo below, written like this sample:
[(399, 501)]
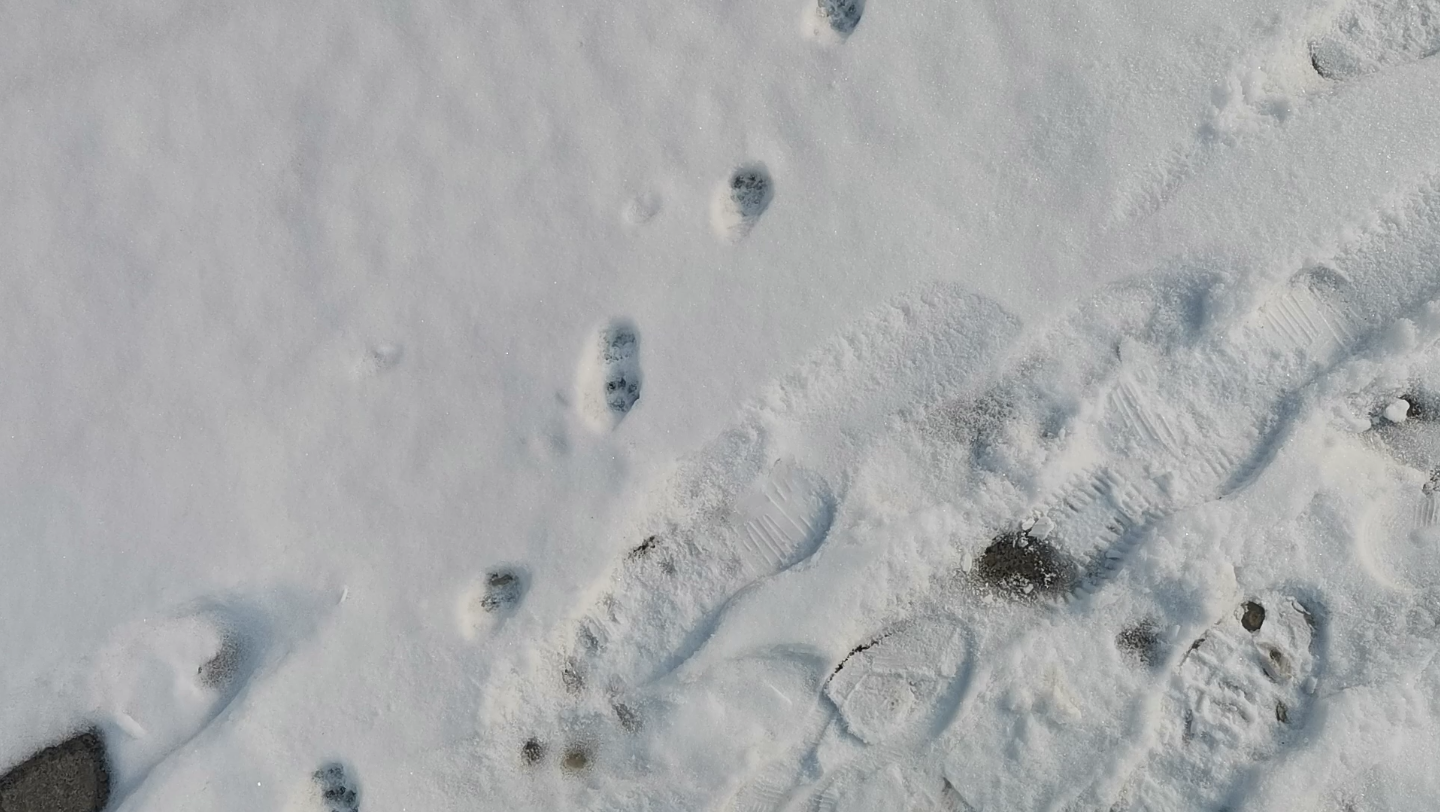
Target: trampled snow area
[(825, 405)]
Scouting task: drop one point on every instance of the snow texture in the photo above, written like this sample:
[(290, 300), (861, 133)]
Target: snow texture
[(828, 406)]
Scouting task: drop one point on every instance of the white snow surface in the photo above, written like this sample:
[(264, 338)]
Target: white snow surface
[(541, 405)]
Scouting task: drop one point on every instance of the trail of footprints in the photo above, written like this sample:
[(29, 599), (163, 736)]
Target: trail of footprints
[(1240, 685), (208, 656), (1247, 684)]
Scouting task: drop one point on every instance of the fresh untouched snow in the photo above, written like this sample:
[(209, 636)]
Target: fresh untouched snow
[(828, 405)]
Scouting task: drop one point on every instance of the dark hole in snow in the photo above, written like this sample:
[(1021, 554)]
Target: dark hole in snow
[(1025, 568), (1142, 642), (576, 758)]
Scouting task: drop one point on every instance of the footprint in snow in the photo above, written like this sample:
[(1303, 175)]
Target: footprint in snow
[(1240, 695), (609, 380), (377, 360), (833, 20), (731, 517), (1201, 447), (893, 686), (889, 694), (740, 200), (161, 683), (640, 209), (1371, 35), (333, 788), (685, 573), (1400, 537), (491, 599), (1157, 454)]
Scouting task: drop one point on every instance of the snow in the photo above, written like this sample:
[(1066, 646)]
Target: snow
[(836, 406)]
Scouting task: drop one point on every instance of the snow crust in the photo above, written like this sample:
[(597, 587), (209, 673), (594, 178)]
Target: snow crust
[(834, 406)]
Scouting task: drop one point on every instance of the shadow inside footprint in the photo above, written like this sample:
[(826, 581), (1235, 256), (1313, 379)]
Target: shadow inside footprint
[(619, 345), (842, 15), (504, 589), (222, 670), (72, 776), (745, 196), (1022, 567), (338, 790), (1142, 642), (609, 380)]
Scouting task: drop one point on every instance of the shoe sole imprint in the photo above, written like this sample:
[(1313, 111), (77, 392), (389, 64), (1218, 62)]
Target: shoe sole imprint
[(1238, 691)]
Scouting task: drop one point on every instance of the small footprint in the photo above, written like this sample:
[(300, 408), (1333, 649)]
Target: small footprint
[(336, 788), (833, 20), (640, 209), (740, 200), (609, 379), (378, 359), (492, 599)]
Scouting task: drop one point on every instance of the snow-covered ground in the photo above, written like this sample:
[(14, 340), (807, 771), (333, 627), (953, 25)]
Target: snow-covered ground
[(821, 405)]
